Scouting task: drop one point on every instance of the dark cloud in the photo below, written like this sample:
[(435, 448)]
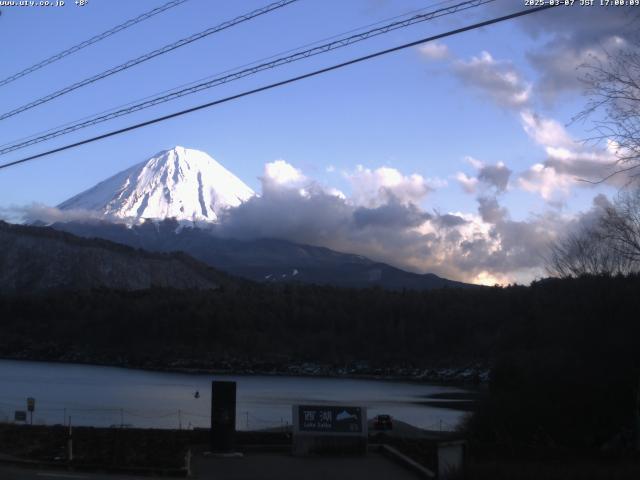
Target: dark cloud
[(485, 247), (583, 25), (448, 220), (283, 212), (566, 37), (470, 248), (496, 176), (591, 166), (523, 243), (393, 214), (490, 211), (493, 178)]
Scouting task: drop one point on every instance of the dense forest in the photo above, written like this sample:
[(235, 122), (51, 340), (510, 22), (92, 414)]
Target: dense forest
[(325, 324), (258, 323), (564, 348)]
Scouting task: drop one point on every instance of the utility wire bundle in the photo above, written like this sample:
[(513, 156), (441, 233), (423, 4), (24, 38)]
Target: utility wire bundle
[(148, 56), (96, 38), (300, 55), (267, 65)]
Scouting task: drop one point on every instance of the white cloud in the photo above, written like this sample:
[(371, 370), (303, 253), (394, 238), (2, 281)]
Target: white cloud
[(545, 131), (469, 184), (381, 219), (337, 193), (280, 172), (568, 163), (474, 162), (38, 212), (484, 246), (545, 181), (375, 187), (498, 79), (434, 51)]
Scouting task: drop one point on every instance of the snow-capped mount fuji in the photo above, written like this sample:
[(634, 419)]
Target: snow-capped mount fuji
[(180, 183)]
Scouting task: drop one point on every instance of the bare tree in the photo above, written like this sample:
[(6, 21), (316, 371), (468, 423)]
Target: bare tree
[(620, 226), (586, 252), (613, 89), (609, 247)]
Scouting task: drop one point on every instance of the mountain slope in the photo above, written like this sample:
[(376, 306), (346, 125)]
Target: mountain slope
[(38, 258), (184, 192), (181, 183), (263, 260)]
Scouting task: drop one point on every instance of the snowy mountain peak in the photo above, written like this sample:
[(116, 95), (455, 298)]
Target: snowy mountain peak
[(183, 183)]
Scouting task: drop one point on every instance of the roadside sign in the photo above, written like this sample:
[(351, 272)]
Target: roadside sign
[(330, 419), (329, 429), (31, 404), (20, 416)]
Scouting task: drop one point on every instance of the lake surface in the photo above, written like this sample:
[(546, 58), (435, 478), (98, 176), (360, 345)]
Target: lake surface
[(105, 396)]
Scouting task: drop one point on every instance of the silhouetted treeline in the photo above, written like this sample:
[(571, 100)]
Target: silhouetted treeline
[(322, 324), (565, 352), (591, 317)]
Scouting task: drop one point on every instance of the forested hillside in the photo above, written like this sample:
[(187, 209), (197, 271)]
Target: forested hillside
[(36, 259)]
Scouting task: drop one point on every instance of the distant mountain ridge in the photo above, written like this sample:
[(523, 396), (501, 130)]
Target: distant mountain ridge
[(262, 260), (34, 259), (173, 202)]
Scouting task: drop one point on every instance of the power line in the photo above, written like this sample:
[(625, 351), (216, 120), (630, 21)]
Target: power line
[(148, 56), (300, 55), (457, 31), (112, 31), (208, 77)]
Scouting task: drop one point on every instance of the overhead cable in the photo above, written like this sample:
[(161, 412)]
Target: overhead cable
[(96, 38), (147, 56), (252, 70), (527, 11)]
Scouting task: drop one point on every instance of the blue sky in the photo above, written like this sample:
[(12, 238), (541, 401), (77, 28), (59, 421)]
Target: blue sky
[(419, 111)]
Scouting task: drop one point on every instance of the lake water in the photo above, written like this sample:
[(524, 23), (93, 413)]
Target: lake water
[(105, 396)]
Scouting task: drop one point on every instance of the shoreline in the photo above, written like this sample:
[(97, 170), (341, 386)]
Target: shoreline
[(453, 376)]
